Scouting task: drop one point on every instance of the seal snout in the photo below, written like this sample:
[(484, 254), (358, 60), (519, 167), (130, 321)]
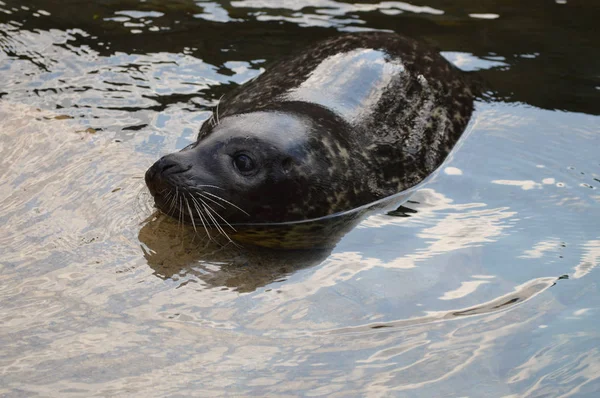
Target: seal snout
[(169, 164), (158, 175)]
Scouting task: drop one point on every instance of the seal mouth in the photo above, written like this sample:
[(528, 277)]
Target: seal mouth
[(158, 175), (197, 204)]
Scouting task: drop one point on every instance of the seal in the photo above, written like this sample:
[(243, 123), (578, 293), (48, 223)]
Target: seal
[(346, 122)]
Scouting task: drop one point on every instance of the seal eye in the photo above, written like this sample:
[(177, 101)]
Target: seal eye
[(244, 164)]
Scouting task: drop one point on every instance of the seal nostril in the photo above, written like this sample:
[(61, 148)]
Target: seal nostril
[(169, 165)]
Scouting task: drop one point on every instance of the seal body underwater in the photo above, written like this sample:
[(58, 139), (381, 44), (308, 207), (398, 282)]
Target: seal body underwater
[(348, 121)]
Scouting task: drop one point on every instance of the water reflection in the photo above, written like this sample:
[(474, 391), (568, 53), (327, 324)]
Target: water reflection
[(173, 251), (327, 13), (589, 260), (88, 312), (522, 293)]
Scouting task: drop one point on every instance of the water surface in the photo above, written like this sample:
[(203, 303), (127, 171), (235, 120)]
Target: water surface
[(484, 284)]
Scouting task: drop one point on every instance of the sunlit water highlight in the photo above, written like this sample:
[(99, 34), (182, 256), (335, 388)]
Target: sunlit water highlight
[(485, 283)]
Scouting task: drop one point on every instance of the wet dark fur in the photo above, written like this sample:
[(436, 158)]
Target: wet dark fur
[(389, 145)]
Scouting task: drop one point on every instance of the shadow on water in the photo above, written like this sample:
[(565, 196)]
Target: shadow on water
[(261, 253), (172, 250)]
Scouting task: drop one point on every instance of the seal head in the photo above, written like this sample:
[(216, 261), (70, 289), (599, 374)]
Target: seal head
[(246, 169)]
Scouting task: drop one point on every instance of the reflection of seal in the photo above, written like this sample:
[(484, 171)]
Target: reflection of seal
[(349, 121), (182, 257)]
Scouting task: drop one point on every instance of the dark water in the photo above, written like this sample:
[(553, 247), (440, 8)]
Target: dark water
[(484, 284)]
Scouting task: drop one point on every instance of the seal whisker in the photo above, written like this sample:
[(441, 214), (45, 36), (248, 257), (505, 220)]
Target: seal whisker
[(216, 224), (211, 199), (169, 197), (208, 214), (217, 110), (226, 201), (199, 211), (218, 215), (171, 203), (187, 203), (180, 219), (208, 186), (220, 228), (174, 202)]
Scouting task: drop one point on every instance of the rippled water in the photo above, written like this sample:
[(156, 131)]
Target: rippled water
[(484, 284)]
